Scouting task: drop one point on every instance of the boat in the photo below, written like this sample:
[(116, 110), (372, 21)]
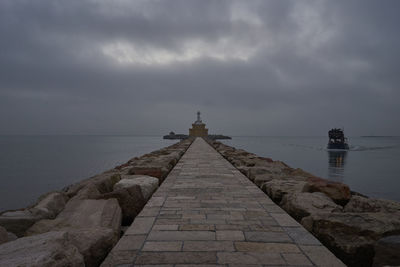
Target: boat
[(337, 139)]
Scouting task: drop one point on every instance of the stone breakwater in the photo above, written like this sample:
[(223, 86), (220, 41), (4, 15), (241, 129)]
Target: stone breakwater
[(361, 231), (79, 225)]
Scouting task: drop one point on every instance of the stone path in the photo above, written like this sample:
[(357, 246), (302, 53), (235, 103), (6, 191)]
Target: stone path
[(206, 213)]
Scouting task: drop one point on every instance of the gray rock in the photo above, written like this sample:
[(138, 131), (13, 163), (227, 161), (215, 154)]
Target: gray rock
[(50, 206), (88, 191), (17, 222), (261, 179), (300, 205), (130, 200), (3, 235), (276, 189), (93, 225), (83, 214), (49, 249), (351, 236), (364, 204), (146, 183), (387, 251)]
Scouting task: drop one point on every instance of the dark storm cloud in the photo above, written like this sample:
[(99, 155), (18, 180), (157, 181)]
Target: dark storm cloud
[(146, 67)]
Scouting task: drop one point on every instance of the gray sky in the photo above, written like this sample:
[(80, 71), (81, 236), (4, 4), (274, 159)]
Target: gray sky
[(252, 67)]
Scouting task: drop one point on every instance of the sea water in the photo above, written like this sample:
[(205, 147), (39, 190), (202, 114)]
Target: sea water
[(371, 166), (33, 165)]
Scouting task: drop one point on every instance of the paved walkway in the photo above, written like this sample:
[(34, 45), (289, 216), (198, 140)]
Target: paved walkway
[(206, 213)]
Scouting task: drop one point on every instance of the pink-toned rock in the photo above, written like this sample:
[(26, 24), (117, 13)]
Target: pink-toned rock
[(338, 192)]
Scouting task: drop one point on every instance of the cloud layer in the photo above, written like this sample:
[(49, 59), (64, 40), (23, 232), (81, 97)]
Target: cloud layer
[(252, 67)]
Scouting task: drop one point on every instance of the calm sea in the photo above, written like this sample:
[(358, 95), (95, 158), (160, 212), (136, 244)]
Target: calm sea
[(371, 166), (33, 165)]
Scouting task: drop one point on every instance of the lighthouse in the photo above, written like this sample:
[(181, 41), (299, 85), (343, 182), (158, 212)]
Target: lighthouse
[(198, 128)]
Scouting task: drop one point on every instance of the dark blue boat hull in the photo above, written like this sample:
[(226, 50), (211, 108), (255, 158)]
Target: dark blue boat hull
[(338, 146)]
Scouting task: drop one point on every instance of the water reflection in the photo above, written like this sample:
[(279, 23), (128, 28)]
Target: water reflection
[(337, 162)]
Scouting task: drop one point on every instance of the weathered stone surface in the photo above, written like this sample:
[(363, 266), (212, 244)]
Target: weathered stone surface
[(3, 235), (93, 225), (83, 214), (155, 171), (387, 251), (338, 192), (93, 243), (50, 206), (88, 191), (261, 179), (103, 182), (300, 205), (17, 222), (352, 235), (147, 184), (49, 249), (276, 189), (130, 200), (363, 204)]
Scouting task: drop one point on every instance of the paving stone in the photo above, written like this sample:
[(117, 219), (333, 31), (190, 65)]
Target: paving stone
[(321, 256), (266, 247), (162, 246), (284, 219), (119, 257), (130, 242), (166, 227), (296, 259), (181, 235), (250, 258), (149, 212), (208, 246), (141, 225), (196, 227), (268, 237), (176, 258), (301, 236), (230, 235)]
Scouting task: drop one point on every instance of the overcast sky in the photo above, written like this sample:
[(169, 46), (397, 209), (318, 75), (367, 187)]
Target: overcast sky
[(251, 67)]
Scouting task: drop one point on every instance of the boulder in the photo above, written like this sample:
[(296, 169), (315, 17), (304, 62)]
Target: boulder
[(130, 200), (257, 171), (88, 191), (86, 213), (17, 222), (364, 204), (351, 236), (146, 183), (300, 205), (155, 171), (48, 249), (338, 192), (93, 225), (387, 251), (3, 235), (300, 173), (276, 189), (50, 205), (93, 243), (261, 179), (103, 182)]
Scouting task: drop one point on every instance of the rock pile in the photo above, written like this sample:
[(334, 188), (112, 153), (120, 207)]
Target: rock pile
[(361, 231), (79, 225)]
